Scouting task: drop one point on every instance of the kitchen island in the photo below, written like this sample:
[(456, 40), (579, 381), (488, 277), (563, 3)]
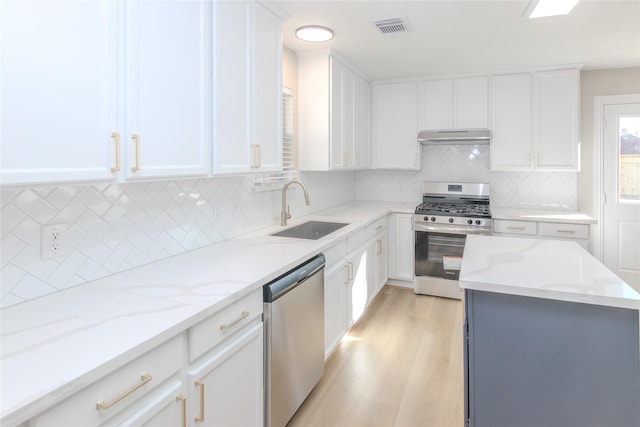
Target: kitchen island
[(552, 336)]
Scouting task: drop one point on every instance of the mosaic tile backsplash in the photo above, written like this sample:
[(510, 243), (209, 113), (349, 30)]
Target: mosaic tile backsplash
[(112, 228), (533, 190)]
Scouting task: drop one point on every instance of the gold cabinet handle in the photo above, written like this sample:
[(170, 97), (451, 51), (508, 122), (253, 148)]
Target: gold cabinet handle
[(379, 242), (183, 400), (243, 315), (259, 155), (565, 231), (143, 380), (347, 280), (200, 418), (136, 140), (350, 271), (515, 228), (116, 136)]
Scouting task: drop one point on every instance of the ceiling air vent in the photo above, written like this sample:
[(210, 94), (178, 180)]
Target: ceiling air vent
[(392, 26)]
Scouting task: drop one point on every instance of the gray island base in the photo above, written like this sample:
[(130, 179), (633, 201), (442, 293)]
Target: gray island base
[(551, 337), (538, 362)]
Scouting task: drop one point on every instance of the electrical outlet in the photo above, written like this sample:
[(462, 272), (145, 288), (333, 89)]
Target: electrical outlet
[(53, 241)]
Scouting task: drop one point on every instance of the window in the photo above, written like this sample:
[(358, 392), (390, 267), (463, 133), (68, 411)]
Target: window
[(629, 159), (274, 181)]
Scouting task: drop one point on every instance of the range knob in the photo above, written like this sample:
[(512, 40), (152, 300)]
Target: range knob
[(433, 219), (470, 221), (426, 218), (478, 222), (451, 220)]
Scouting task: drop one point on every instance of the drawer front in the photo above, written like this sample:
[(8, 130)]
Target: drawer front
[(356, 239), (117, 390), (377, 227), (525, 228), (211, 331), (568, 231), (335, 253)]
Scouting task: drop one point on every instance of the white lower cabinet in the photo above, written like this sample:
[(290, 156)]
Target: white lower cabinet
[(210, 375), (227, 388), (401, 247), (356, 270), (138, 391), (335, 307)]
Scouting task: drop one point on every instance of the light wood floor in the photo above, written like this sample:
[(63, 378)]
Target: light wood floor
[(401, 365)]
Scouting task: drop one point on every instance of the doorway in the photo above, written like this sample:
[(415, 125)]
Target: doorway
[(619, 183)]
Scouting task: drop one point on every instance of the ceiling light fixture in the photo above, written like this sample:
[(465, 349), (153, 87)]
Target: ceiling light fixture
[(314, 33), (543, 8)]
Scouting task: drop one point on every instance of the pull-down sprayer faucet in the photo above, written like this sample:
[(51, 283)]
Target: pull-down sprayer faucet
[(285, 214)]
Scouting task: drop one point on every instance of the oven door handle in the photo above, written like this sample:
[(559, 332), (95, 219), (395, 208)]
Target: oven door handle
[(451, 229)]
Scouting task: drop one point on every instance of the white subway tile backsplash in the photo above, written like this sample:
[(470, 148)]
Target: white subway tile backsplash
[(112, 228)]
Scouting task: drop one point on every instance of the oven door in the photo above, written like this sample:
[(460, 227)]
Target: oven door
[(439, 249)]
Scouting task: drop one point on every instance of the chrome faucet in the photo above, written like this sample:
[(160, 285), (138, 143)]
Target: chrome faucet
[(285, 214)]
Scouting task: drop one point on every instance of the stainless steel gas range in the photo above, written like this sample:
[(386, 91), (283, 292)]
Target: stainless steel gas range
[(448, 213)]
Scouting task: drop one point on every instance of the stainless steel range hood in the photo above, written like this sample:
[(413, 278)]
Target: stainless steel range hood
[(454, 136)]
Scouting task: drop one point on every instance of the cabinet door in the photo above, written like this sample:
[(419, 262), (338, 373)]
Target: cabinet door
[(396, 126), (556, 113), (401, 247), (381, 268), (511, 122), (267, 89), (362, 138), (470, 103), (357, 287), (335, 306), (168, 90), (228, 389), (437, 104), (348, 118), (59, 98), (336, 113)]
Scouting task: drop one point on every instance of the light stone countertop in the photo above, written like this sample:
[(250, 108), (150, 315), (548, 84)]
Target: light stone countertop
[(551, 269), (55, 345), (542, 215)]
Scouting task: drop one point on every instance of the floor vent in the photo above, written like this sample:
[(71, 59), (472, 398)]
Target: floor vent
[(392, 26)]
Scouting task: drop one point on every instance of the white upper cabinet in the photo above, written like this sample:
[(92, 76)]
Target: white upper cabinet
[(535, 120), (247, 88), (395, 126), (333, 114), (556, 116), (454, 103), (85, 98), (168, 93), (59, 98)]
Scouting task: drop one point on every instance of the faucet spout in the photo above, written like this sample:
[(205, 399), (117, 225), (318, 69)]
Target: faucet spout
[(285, 214)]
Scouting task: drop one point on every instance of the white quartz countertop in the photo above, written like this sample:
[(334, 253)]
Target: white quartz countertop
[(542, 215), (55, 345), (551, 269)]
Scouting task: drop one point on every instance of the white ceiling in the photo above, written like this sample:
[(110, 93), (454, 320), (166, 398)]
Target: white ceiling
[(472, 36)]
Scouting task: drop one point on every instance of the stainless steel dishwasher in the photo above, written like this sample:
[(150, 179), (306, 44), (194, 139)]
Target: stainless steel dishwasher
[(294, 339)]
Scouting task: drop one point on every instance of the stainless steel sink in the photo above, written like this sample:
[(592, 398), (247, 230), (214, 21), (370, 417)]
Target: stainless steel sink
[(312, 230)]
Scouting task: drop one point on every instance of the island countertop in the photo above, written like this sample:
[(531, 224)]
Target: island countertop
[(550, 269)]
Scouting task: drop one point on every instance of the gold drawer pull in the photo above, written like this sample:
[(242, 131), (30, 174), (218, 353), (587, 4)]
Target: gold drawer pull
[(565, 231), (515, 228), (379, 227), (183, 400), (200, 418), (136, 140), (116, 136), (243, 315), (143, 380)]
